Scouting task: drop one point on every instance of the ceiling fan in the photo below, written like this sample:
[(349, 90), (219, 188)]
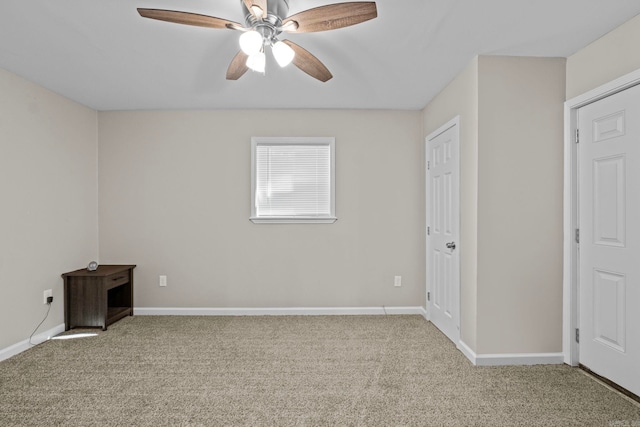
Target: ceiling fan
[(265, 20)]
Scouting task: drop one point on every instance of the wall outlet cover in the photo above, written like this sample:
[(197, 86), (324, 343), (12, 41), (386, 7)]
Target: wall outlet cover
[(46, 294)]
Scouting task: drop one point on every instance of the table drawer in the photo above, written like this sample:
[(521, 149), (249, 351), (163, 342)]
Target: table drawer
[(116, 279)]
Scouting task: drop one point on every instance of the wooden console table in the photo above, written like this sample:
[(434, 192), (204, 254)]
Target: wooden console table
[(98, 298)]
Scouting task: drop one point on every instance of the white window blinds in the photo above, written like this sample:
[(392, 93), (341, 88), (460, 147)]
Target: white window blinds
[(293, 179)]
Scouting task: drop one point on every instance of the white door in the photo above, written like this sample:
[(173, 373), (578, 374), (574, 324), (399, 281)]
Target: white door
[(443, 225), (609, 240)]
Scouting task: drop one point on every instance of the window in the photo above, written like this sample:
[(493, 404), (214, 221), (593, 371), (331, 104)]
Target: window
[(293, 180)]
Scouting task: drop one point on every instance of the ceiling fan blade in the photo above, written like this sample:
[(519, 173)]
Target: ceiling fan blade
[(238, 66), (188, 18), (257, 7), (330, 17), (309, 63)]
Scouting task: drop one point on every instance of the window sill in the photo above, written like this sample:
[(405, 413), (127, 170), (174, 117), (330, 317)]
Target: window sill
[(293, 220)]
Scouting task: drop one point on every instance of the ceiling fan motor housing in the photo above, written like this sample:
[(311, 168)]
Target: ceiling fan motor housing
[(277, 10), (268, 27)]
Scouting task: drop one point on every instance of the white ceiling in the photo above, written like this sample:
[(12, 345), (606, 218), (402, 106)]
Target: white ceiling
[(102, 54)]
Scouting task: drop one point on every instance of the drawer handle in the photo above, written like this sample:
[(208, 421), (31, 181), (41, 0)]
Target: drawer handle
[(118, 278)]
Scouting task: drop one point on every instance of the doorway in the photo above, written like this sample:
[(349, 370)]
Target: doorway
[(602, 212), (442, 149)]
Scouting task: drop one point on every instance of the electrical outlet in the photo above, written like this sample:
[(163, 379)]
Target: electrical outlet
[(397, 281), (48, 293), (162, 281)]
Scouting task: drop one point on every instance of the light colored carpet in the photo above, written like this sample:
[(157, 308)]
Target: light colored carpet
[(289, 371)]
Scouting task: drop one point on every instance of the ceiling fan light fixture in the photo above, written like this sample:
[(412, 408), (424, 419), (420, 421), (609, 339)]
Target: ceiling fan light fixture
[(265, 20), (251, 42), (283, 53), (257, 62)]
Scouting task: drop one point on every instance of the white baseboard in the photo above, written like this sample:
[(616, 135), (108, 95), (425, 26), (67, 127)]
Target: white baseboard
[(423, 313), (510, 359), (519, 359), (24, 345), (292, 311), (466, 350)]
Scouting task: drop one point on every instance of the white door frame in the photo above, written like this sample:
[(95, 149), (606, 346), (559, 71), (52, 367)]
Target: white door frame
[(451, 123), (570, 312)]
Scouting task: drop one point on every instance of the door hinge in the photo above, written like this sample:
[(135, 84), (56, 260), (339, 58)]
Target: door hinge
[(577, 136), (577, 235), (428, 296), (428, 165), (578, 335), (428, 231)]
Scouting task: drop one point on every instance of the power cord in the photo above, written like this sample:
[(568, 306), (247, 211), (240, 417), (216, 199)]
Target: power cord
[(49, 301)]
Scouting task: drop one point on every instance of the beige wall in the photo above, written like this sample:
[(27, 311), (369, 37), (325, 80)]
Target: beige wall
[(174, 199), (48, 220), (520, 176), (159, 172), (511, 200), (460, 97), (606, 59)]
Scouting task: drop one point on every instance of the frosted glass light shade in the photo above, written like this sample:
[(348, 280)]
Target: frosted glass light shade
[(257, 62), (251, 42), (283, 53)]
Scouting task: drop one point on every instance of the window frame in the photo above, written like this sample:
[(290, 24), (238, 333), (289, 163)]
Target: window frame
[(326, 141)]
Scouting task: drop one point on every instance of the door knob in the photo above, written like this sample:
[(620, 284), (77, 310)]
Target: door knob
[(451, 245)]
